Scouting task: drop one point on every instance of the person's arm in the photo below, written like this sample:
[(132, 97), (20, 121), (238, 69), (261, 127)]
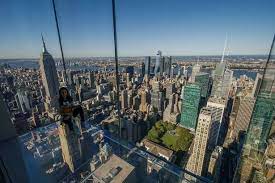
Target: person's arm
[(66, 110)]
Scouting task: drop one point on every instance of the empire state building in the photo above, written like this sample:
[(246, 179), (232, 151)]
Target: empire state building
[(49, 79)]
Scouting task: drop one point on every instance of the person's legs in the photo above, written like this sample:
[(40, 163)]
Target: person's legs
[(79, 110), (70, 124)]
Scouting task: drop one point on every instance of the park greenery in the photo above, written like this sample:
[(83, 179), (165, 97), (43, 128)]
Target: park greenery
[(171, 136)]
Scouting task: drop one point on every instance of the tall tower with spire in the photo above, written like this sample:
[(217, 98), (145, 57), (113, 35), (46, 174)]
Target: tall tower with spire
[(222, 78), (49, 78)]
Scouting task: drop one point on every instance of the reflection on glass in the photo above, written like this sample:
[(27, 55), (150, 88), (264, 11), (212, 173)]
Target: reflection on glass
[(255, 159)]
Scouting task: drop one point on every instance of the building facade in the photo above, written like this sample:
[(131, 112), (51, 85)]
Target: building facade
[(196, 162), (49, 79), (190, 106), (202, 79)]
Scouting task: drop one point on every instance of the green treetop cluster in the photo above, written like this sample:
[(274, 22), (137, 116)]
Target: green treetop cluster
[(171, 136)]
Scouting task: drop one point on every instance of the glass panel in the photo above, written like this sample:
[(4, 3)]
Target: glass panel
[(256, 157), (111, 160)]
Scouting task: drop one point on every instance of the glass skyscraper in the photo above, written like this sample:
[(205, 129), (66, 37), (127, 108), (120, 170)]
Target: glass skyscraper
[(190, 106), (148, 65), (158, 62), (260, 124), (202, 79), (222, 81)]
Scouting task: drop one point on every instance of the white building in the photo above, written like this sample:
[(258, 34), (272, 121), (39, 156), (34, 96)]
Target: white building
[(195, 70), (217, 106), (23, 100), (201, 142)]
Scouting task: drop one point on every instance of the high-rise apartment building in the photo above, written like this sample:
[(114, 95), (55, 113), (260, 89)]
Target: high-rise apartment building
[(49, 78), (190, 106), (196, 162)]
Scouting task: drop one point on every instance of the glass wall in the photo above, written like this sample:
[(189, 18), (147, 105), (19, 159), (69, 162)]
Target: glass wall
[(97, 91)]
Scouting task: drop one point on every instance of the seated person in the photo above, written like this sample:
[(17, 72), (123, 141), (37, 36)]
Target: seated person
[(67, 109)]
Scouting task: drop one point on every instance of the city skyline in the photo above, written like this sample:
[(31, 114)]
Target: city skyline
[(190, 29), (152, 116)]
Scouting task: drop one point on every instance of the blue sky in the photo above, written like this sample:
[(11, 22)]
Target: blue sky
[(177, 27)]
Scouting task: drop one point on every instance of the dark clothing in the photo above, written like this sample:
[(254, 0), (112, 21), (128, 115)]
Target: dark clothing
[(78, 111), (68, 110), (69, 123)]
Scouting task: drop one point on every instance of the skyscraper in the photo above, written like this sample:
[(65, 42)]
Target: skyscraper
[(197, 159), (168, 66), (262, 118), (144, 102), (215, 162), (71, 147), (91, 79), (142, 69), (49, 78), (190, 106), (217, 106), (158, 60), (202, 79), (130, 98), (157, 96), (170, 89), (124, 100), (70, 77), (162, 65), (23, 100), (171, 113), (257, 84), (148, 66), (243, 115), (195, 70), (12, 165), (222, 80)]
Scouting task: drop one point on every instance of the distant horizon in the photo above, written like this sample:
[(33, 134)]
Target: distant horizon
[(37, 58)]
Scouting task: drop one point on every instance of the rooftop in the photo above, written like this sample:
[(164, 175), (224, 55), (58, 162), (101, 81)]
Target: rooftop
[(157, 149), (115, 169), (216, 100)]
